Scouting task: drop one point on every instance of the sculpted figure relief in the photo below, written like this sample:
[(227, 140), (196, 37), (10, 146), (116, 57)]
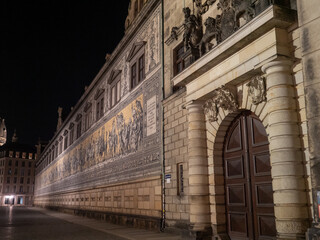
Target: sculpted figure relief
[(192, 30), (242, 8), (212, 31)]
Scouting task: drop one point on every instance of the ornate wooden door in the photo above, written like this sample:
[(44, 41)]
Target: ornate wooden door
[(249, 194)]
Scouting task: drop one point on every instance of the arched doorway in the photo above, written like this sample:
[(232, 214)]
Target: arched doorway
[(248, 183)]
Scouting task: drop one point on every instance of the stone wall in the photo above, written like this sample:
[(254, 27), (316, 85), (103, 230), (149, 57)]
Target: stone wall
[(176, 152), (138, 200)]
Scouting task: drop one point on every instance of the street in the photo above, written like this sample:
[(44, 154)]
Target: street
[(18, 223)]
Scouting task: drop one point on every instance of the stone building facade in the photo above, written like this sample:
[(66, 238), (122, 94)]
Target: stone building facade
[(105, 158), (213, 133), (3, 132), (241, 118), (17, 171)]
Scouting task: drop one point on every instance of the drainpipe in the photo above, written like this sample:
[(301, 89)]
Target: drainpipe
[(163, 213)]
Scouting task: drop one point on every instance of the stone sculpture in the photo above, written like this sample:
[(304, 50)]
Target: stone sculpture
[(192, 30), (222, 98), (212, 31), (257, 90)]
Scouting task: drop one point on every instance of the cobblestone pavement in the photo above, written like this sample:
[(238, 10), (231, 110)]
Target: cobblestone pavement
[(19, 223)]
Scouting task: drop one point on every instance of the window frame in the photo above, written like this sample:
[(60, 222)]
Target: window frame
[(137, 63), (99, 98), (115, 88)]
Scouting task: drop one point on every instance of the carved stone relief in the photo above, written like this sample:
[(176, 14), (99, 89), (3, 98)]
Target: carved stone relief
[(218, 27), (222, 98), (257, 90)]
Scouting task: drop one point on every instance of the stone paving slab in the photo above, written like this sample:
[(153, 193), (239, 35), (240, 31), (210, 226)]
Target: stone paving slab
[(116, 230)]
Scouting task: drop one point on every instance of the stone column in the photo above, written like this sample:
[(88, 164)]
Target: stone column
[(198, 170), (286, 157), (309, 23)]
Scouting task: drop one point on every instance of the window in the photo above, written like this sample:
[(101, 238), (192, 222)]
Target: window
[(15, 180), (16, 163), (30, 155), (23, 163), (99, 108), (137, 72), (180, 189), (79, 125), (60, 145), (115, 86), (65, 142), (14, 189), (24, 155), (21, 180), (29, 164), (87, 116), (8, 180), (133, 75), (21, 189), (182, 59), (15, 171), (10, 163), (56, 149), (17, 154), (71, 134), (22, 172), (179, 61), (9, 171), (137, 62), (28, 181), (20, 200), (29, 172)]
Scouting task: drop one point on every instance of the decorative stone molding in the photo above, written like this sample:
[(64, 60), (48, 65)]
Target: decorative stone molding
[(257, 89), (222, 98)]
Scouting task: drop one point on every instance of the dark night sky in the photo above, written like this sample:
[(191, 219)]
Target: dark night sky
[(50, 50)]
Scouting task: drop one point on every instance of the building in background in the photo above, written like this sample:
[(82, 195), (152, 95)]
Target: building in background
[(3, 132), (17, 171), (241, 110), (105, 158)]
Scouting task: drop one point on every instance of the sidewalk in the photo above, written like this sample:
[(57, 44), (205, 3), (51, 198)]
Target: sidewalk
[(116, 230)]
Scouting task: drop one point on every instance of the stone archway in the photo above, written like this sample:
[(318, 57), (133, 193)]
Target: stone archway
[(279, 117), (216, 132)]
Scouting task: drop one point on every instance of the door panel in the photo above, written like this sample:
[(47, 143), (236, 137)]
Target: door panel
[(249, 193)]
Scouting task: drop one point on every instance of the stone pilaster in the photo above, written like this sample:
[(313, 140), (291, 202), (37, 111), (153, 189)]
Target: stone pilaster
[(286, 157), (309, 24), (198, 170)]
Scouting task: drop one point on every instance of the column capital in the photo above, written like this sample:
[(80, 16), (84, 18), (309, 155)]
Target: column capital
[(281, 65), (195, 106)]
